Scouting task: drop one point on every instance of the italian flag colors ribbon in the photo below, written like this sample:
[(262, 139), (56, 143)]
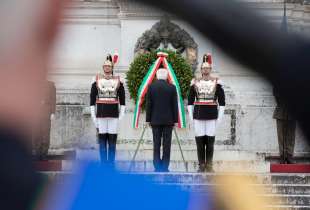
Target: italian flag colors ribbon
[(147, 80)]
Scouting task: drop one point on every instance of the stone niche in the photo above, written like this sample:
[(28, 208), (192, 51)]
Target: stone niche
[(165, 33)]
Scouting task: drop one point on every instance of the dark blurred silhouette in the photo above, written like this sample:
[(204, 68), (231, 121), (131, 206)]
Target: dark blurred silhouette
[(27, 31), (41, 138), (286, 128), (249, 39)]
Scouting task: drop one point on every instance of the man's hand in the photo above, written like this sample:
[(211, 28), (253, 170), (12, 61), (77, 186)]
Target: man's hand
[(52, 117)]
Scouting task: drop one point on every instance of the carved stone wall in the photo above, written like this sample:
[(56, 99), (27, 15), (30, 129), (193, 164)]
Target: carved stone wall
[(165, 32)]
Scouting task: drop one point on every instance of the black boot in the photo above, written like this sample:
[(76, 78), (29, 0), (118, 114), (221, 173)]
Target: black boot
[(202, 168), (103, 150), (289, 159), (209, 153), (201, 152), (112, 148), (282, 160)]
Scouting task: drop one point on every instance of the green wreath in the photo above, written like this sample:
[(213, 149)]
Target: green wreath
[(141, 64)]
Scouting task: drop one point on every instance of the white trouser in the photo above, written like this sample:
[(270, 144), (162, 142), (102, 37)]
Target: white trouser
[(205, 127), (107, 125)]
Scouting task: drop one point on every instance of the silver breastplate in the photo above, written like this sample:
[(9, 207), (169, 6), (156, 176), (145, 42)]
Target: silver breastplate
[(107, 88), (205, 90)]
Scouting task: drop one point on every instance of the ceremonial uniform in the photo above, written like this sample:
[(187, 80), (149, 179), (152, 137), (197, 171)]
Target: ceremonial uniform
[(107, 101), (41, 136), (286, 126), (206, 102)]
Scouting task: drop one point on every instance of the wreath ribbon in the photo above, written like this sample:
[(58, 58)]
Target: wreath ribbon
[(147, 80)]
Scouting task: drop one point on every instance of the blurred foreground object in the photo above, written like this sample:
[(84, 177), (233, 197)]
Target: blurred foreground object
[(248, 38), (41, 141), (27, 32)]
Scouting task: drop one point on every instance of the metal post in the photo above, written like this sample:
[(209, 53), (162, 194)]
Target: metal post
[(178, 141), (137, 149)]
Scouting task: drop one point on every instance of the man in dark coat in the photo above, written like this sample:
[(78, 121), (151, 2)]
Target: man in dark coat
[(41, 141), (286, 126), (161, 114)]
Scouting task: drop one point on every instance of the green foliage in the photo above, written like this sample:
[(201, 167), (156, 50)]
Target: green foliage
[(142, 63)]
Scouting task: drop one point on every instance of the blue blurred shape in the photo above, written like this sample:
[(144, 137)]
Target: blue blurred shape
[(104, 188)]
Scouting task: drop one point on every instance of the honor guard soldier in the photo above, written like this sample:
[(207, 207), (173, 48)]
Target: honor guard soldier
[(206, 104), (107, 101)]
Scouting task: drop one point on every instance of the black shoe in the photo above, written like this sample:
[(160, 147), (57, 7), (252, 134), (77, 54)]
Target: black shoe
[(282, 161), (42, 158), (209, 168), (201, 168), (289, 160)]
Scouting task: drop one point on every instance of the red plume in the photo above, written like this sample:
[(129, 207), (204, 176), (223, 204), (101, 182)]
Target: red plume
[(209, 58), (115, 57)]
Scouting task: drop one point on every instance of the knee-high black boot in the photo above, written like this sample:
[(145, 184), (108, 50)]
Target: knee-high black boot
[(103, 150), (201, 152), (112, 148), (209, 153)]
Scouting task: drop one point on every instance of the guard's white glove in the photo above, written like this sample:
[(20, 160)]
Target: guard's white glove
[(190, 113), (221, 110), (122, 112), (52, 117), (93, 116)]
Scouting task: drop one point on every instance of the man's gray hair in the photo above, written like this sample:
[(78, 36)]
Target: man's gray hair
[(162, 74)]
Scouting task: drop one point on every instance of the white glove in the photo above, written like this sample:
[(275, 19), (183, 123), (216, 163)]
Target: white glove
[(221, 110), (122, 112), (93, 116), (190, 113), (52, 117)]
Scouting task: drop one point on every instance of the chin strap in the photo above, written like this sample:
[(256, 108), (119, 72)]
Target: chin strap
[(221, 113), (190, 112), (93, 116), (122, 112)]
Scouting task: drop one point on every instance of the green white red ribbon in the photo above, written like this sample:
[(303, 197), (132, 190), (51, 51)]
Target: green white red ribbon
[(147, 80)]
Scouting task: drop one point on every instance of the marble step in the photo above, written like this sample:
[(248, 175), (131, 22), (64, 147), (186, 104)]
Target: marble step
[(180, 166), (188, 178), (280, 196), (295, 200), (288, 189), (288, 207), (192, 166), (205, 178), (126, 152)]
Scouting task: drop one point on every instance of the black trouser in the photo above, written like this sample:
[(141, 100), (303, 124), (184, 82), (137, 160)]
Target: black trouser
[(286, 138), (205, 149), (107, 147), (161, 132)]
